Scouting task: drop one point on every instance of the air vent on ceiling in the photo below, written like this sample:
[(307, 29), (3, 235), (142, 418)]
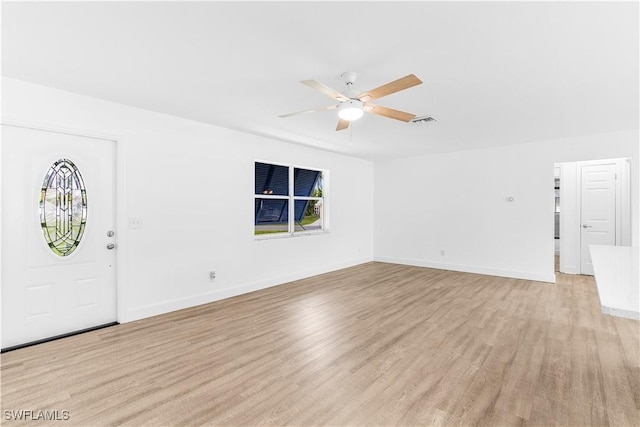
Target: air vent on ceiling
[(423, 119)]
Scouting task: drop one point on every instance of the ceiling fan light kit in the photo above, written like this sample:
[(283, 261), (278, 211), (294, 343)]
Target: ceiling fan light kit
[(351, 110), (353, 107)]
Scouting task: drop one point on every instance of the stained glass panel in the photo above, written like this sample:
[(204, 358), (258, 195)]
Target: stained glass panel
[(63, 207)]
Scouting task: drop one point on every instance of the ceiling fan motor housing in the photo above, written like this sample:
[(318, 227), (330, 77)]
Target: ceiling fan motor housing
[(349, 77)]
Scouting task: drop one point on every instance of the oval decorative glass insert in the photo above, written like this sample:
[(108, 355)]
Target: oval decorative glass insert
[(63, 207)]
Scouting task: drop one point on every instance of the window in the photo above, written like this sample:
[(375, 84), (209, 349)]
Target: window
[(288, 200), (63, 207)]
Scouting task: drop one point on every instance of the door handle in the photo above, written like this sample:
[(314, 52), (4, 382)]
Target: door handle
[(111, 246), (586, 226)]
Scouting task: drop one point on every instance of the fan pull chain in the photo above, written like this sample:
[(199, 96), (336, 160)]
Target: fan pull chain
[(350, 135)]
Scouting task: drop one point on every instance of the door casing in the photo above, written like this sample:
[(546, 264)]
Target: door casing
[(570, 203)]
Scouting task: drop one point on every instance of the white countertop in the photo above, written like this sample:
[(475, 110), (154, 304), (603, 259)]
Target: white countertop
[(617, 273)]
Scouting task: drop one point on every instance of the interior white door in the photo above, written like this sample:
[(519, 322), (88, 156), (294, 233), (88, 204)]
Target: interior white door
[(66, 285), (597, 211)]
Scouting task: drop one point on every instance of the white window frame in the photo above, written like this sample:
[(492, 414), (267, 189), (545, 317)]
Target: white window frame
[(291, 232)]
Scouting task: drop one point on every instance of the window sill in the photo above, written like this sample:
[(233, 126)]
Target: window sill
[(289, 235)]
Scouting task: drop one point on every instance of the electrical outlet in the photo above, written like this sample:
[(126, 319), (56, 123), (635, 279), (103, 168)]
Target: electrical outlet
[(212, 276)]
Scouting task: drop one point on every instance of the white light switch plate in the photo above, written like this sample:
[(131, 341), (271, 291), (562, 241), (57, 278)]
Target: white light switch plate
[(135, 222)]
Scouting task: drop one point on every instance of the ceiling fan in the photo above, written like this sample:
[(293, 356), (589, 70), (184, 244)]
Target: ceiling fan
[(353, 105)]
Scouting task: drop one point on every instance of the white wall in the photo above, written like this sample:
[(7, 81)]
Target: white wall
[(192, 186), (457, 202)]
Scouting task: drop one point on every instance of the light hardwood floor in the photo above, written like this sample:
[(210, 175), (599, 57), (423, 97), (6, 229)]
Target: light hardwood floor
[(376, 344)]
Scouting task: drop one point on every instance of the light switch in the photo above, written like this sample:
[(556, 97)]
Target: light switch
[(135, 222)]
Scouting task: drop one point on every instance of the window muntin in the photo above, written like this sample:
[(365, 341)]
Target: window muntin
[(63, 207), (290, 203)]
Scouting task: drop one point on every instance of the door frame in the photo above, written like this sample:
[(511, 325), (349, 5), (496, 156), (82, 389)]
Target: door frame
[(571, 206), (120, 199)]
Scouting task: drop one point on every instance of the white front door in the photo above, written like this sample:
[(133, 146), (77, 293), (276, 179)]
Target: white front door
[(598, 210), (58, 235)]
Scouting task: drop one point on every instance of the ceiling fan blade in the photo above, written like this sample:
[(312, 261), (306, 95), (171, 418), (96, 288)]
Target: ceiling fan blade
[(325, 89), (389, 112), (342, 124), (393, 87), (330, 107)]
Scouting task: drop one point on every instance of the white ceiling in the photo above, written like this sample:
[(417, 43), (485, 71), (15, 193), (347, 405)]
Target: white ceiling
[(494, 73)]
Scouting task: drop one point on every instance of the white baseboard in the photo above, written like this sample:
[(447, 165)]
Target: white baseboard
[(627, 314), (550, 278), (205, 298)]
